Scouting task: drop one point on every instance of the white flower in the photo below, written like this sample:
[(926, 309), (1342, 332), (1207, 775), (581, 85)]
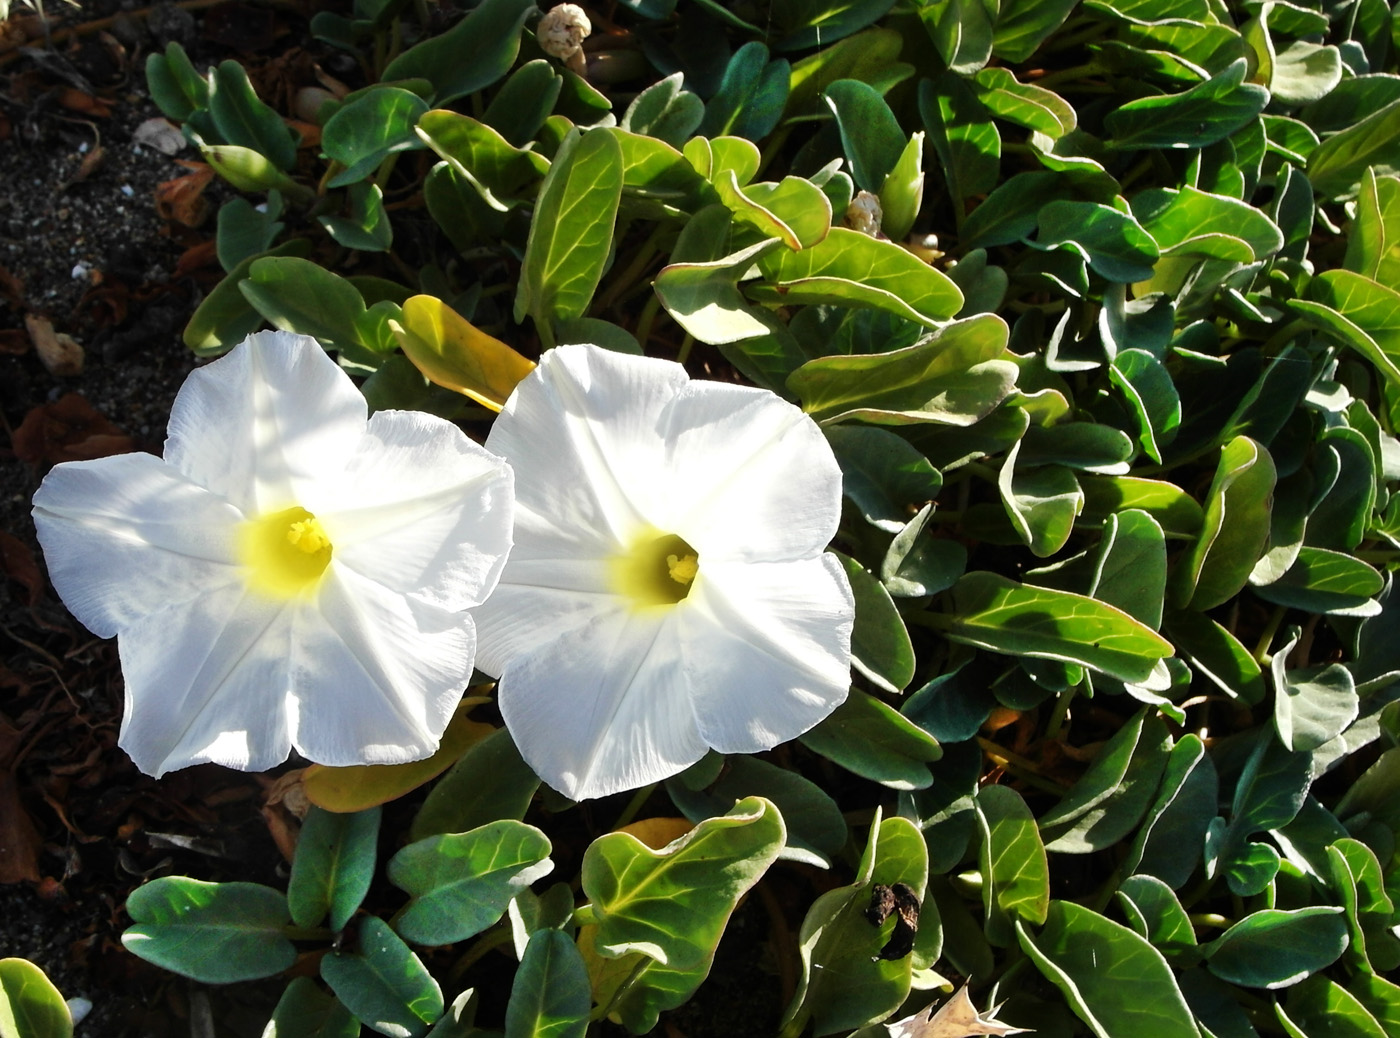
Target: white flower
[(290, 574), (668, 590)]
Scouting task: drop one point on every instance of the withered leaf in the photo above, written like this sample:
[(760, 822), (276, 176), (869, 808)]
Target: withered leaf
[(956, 1018)]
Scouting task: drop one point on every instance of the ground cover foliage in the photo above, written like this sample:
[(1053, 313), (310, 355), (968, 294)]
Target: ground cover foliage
[(1113, 390)]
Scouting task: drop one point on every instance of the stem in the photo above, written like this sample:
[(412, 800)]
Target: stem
[(1261, 648), (1057, 718), (647, 319), (1019, 766), (585, 915), (686, 343), (634, 805), (641, 259)]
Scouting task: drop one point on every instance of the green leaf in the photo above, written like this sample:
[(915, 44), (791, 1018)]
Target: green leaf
[(1042, 503), (1274, 948), (1023, 25), (297, 295), (882, 474), (962, 32), (306, 1011), (880, 646), (502, 174), (1156, 914), (1015, 872), (488, 783), (1174, 510), (571, 231), (869, 56), (665, 111), (549, 997), (367, 129), (1357, 312), (1337, 166), (991, 612), (902, 190), (1322, 1006), (249, 170), (1113, 979), (245, 121), (845, 983), (962, 135), (1110, 798), (1028, 105), (853, 269), (365, 225), (1236, 530), (524, 102), (30, 1006), (876, 742), (226, 318), (245, 233), (1012, 209), (1373, 240), (176, 87), (1357, 876), (1217, 654), (1187, 222), (956, 376), (810, 23), (672, 904), (794, 211), (473, 54), (1195, 118), (1381, 999), (333, 866), (916, 566), (1113, 243), (384, 984), (870, 135), (751, 95), (1323, 581), (1131, 570), (461, 882), (816, 829), (1313, 705), (215, 933), (705, 300), (1168, 843)]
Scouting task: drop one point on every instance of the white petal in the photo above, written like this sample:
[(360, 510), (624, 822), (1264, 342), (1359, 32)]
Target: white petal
[(603, 707), (375, 676), (767, 650), (420, 509), (520, 618), (582, 433), (259, 424), (128, 535), (753, 477), (207, 681)]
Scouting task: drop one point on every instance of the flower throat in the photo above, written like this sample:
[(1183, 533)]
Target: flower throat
[(286, 552), (658, 570)]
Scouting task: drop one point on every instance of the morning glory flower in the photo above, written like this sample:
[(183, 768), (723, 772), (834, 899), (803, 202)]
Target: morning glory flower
[(290, 574), (668, 591)]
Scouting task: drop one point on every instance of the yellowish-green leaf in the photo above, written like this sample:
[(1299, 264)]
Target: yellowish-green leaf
[(452, 352)]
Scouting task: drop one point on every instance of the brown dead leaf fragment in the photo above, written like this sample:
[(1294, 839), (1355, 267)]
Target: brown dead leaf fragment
[(19, 840), (60, 353), (956, 1018), (17, 563), (182, 200), (69, 429)]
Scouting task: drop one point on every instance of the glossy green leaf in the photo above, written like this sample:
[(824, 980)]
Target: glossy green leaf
[(1028, 105), (1323, 581), (809, 23), (1113, 243), (1357, 312), (868, 56), (215, 933), (1374, 234), (1042, 503), (1236, 530), (1110, 798), (383, 983), (1023, 25), (1171, 507), (962, 32), (1313, 705), (852, 269), (876, 742), (665, 111), (1356, 875), (902, 190), (364, 224), (880, 646), (249, 170), (672, 904), (473, 54), (367, 129), (795, 211), (297, 295), (1337, 166), (956, 376), (245, 121), (333, 866), (816, 830), (461, 882), (488, 783), (991, 612), (1015, 872), (225, 317), (962, 135), (1010, 212), (882, 474), (1381, 998), (502, 174), (917, 565), (524, 101), (1187, 222), (572, 230), (1156, 914), (1275, 948), (1114, 980), (705, 300), (1217, 654), (751, 95), (550, 996), (1202, 115), (306, 1011), (870, 135), (1321, 1006), (844, 982), (1131, 570), (30, 1005), (176, 87)]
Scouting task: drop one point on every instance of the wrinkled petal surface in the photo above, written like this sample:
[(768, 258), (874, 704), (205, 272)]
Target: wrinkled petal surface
[(603, 707), (127, 535), (266, 421), (421, 510)]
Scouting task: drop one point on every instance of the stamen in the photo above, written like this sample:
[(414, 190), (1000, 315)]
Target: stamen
[(684, 568)]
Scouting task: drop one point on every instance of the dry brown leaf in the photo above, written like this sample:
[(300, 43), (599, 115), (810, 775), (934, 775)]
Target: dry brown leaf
[(17, 563), (956, 1018), (76, 100), (60, 353), (69, 429), (19, 840), (182, 200), (160, 135)]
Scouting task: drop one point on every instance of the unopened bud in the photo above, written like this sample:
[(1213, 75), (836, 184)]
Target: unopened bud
[(864, 214), (562, 30)]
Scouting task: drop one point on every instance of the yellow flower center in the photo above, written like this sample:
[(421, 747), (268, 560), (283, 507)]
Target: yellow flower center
[(659, 569), (285, 552)]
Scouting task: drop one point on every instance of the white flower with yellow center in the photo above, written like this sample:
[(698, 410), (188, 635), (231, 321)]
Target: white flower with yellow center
[(668, 590), (290, 574)]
